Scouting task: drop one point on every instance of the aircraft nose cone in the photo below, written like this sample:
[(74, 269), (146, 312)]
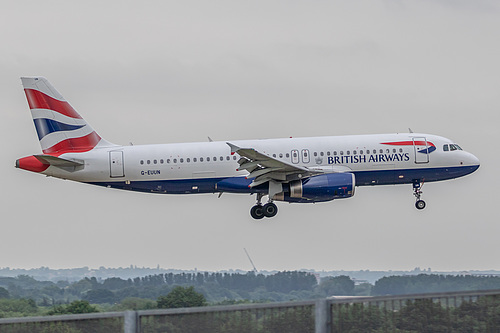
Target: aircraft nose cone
[(475, 160), (472, 161)]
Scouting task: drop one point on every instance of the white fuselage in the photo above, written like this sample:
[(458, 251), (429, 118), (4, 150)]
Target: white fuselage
[(197, 167)]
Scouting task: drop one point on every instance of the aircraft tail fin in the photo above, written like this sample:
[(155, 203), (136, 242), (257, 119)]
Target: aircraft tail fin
[(59, 127)]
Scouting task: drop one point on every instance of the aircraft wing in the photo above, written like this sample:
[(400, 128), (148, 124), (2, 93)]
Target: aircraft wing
[(265, 168)]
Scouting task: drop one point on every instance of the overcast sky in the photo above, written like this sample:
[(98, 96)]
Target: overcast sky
[(164, 71)]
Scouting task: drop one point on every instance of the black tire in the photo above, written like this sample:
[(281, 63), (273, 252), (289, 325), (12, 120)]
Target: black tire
[(257, 212), (420, 204), (270, 209)]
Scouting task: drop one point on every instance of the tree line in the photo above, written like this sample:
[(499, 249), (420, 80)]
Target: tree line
[(23, 294)]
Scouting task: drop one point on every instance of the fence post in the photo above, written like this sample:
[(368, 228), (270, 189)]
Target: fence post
[(130, 322), (323, 316)]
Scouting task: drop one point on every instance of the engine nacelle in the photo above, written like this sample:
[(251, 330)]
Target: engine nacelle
[(319, 188)]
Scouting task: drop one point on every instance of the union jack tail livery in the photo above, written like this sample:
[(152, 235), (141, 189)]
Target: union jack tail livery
[(59, 127)]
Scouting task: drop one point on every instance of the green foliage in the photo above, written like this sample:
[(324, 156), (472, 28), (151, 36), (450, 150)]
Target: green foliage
[(4, 293), (134, 303), (364, 289), (428, 283), (181, 297), (17, 308), (99, 296), (73, 308), (336, 286)]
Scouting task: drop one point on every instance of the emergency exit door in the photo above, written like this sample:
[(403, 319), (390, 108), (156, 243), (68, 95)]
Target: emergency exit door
[(116, 164)]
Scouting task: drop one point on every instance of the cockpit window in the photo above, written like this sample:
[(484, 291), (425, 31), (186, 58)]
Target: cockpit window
[(451, 146)]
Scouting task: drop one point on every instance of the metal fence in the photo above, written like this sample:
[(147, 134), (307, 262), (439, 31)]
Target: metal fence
[(441, 312)]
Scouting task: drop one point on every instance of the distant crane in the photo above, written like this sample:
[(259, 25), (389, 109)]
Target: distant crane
[(254, 269)]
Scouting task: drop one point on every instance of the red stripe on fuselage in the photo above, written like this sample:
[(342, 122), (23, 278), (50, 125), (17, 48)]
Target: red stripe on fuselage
[(78, 145), (39, 100), (409, 143)]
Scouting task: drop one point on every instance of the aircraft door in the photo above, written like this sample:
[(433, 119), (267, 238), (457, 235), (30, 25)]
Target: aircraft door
[(116, 164), (295, 156), (305, 156), (421, 149)]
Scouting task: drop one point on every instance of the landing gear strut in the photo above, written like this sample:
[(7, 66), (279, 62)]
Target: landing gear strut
[(417, 185), (268, 210)]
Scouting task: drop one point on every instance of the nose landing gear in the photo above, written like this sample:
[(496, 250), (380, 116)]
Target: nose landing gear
[(268, 210), (417, 185)]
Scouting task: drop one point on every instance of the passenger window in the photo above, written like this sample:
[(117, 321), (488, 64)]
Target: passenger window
[(194, 159), (315, 154), (328, 153), (228, 157), (387, 151), (281, 155), (149, 162), (354, 152), (168, 160), (201, 159), (341, 152), (155, 161), (234, 157), (335, 153), (161, 161), (322, 154), (208, 159), (394, 150), (348, 152), (215, 159), (222, 158), (445, 148), (274, 155), (400, 150), (287, 155), (374, 151), (188, 160), (360, 152), (142, 161), (381, 151)]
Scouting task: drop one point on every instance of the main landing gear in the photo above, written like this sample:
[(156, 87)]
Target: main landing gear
[(417, 185), (260, 211)]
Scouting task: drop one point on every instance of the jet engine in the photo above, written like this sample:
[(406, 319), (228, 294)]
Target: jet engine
[(319, 188)]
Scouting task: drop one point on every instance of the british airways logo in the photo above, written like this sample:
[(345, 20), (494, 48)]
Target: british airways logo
[(378, 158), (421, 146)]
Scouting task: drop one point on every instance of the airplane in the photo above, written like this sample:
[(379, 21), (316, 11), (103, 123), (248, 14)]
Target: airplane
[(293, 170)]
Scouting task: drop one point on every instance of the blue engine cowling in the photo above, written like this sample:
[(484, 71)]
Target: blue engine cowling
[(319, 188)]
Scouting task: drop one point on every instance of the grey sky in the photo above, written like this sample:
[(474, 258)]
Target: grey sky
[(165, 71)]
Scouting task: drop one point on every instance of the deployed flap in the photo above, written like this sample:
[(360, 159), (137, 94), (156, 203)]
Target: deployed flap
[(58, 161)]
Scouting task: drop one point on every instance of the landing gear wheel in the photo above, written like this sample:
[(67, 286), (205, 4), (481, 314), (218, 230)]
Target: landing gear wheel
[(257, 212), (270, 209), (420, 204)]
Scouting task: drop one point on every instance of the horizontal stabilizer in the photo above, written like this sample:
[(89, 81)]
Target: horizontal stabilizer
[(57, 161)]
